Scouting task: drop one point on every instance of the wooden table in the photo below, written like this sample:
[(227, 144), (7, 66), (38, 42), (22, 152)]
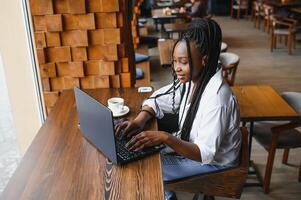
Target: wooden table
[(261, 103), (62, 164), (159, 17)]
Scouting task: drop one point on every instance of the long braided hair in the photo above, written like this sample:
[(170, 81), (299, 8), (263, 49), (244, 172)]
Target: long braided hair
[(206, 35)]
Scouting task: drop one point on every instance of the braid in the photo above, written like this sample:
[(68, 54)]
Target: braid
[(207, 35)]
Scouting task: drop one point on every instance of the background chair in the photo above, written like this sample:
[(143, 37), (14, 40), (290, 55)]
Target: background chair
[(224, 183), (224, 47), (229, 63), (272, 136), (283, 27), (239, 6), (267, 16)]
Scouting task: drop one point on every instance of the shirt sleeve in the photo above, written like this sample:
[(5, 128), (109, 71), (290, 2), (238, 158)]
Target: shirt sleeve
[(163, 104), (211, 131)]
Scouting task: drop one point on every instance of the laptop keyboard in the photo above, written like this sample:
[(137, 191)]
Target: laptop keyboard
[(125, 154)]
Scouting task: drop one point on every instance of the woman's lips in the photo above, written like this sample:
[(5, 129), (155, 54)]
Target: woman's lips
[(180, 76)]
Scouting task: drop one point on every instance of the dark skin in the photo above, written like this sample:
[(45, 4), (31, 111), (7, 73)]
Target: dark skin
[(142, 139)]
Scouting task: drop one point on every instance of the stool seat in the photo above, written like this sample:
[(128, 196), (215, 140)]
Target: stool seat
[(224, 47)]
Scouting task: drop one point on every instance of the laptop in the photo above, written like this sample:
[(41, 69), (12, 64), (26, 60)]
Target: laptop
[(97, 126)]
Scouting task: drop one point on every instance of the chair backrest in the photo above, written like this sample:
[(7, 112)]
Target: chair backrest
[(165, 47), (230, 63), (293, 99), (267, 10), (225, 183)]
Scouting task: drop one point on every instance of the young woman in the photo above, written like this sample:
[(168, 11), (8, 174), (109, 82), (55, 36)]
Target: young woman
[(208, 138)]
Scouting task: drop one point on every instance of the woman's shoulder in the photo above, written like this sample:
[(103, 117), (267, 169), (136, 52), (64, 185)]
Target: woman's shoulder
[(224, 97)]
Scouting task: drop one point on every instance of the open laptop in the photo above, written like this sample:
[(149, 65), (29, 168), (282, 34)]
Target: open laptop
[(97, 125)]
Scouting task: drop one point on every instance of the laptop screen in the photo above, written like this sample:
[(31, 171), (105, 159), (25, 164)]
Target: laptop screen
[(96, 124)]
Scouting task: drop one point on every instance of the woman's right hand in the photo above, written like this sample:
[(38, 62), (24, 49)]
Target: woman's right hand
[(128, 129)]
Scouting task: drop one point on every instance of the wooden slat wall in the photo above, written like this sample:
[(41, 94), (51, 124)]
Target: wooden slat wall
[(82, 43), (134, 22)]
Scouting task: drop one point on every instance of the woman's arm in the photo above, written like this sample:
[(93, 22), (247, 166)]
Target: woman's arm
[(130, 128), (152, 138)]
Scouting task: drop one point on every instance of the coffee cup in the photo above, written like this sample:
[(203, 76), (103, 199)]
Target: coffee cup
[(116, 104)]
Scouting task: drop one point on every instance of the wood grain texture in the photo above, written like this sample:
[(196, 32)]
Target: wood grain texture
[(48, 70), (262, 102), (72, 69), (53, 39), (62, 164), (105, 20), (58, 54), (107, 52), (79, 53), (75, 38), (54, 23), (41, 7), (79, 22), (40, 39), (39, 23)]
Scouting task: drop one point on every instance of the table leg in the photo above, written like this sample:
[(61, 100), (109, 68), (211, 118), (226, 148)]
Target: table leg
[(250, 138), (253, 170)]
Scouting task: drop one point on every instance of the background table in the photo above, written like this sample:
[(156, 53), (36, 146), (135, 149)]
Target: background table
[(62, 164), (261, 103)]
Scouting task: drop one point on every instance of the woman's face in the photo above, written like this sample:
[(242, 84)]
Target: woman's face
[(181, 61)]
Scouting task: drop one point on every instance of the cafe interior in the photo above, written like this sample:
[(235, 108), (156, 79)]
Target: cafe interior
[(124, 49)]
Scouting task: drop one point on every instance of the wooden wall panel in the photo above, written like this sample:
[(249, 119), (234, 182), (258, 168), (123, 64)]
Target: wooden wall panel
[(82, 43), (53, 39), (41, 7), (82, 22), (54, 23), (106, 20), (75, 38)]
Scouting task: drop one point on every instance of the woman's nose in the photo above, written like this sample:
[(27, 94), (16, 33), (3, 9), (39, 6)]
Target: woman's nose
[(177, 67)]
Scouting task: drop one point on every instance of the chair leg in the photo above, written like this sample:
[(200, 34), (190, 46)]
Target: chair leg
[(285, 156), (290, 44), (299, 179), (275, 42), (270, 163), (272, 41)]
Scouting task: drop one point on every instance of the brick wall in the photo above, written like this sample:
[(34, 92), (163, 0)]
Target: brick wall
[(82, 43)]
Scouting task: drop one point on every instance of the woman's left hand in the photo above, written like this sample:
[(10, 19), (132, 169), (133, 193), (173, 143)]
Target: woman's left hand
[(146, 139)]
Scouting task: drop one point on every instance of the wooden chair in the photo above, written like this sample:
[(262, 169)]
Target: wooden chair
[(267, 16), (223, 183), (283, 27), (165, 47), (239, 5), (229, 63), (258, 13), (272, 136)]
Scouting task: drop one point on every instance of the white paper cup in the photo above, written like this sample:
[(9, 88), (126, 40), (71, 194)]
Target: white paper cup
[(116, 104)]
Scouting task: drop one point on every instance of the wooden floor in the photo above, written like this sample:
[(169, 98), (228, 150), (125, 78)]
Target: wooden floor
[(257, 66)]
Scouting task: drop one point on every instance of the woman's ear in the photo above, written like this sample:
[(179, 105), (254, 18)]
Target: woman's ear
[(205, 60)]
